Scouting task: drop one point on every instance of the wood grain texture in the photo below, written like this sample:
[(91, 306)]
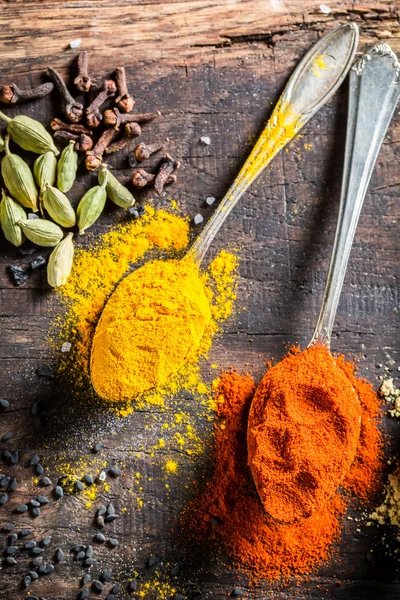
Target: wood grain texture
[(213, 68)]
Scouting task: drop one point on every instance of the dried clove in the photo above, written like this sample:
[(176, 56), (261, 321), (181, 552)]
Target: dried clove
[(82, 80), (11, 94), (113, 118), (95, 156), (83, 142), (93, 115), (132, 130), (167, 167), (59, 125), (70, 108), (141, 178), (144, 151), (124, 101)]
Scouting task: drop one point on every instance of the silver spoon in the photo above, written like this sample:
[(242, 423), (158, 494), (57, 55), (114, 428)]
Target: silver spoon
[(313, 82), (374, 91)]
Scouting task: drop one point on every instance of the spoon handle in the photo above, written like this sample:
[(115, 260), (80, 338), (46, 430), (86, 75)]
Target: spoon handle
[(313, 82), (374, 91)]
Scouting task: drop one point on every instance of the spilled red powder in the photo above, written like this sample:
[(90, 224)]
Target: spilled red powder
[(259, 545)]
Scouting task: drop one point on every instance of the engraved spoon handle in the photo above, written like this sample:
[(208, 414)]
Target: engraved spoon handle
[(374, 91), (313, 82)]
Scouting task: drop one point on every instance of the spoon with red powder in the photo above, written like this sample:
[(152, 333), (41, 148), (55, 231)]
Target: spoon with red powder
[(304, 421)]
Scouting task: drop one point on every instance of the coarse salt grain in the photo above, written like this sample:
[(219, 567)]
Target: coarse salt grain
[(32, 216), (325, 9), (197, 219), (66, 347), (75, 43), (205, 140), (210, 200)]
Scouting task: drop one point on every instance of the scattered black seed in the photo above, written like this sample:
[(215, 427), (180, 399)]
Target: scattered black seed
[(46, 541), (13, 485), (215, 521), (77, 548), (12, 539), (114, 472), (5, 481), (35, 408), (110, 509), (34, 460), (97, 586), (79, 486), (90, 561), (37, 561), (179, 597), (29, 545), (138, 210), (114, 543), (42, 569), (8, 527), (116, 588), (100, 521), (21, 508), (59, 555), (7, 436), (80, 555), (175, 570), (99, 538), (26, 582), (83, 594), (24, 533), (49, 569), (6, 454), (101, 511), (42, 499), (10, 560), (45, 371), (14, 458), (32, 598), (89, 552), (18, 274), (36, 551), (33, 575), (132, 585), (39, 470), (11, 550), (36, 511), (3, 499), (85, 579), (88, 479), (40, 261), (110, 518), (111, 597), (34, 503), (98, 447), (151, 561), (236, 592), (4, 404), (106, 575), (45, 481), (58, 491)]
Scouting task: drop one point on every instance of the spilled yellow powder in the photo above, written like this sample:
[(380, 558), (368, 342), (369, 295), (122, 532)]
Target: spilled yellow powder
[(171, 466), (319, 65), (156, 588)]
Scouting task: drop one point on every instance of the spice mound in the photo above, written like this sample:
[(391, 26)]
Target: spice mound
[(152, 324), (303, 431)]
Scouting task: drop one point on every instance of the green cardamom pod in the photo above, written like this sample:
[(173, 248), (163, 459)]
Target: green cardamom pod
[(41, 231), (91, 206), (117, 192), (67, 167), (10, 213), (19, 179), (58, 206), (2, 144), (29, 134), (60, 262), (44, 170)]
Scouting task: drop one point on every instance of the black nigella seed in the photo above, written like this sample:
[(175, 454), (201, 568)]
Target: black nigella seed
[(97, 586), (38, 262), (175, 570), (110, 509), (77, 548), (110, 518), (35, 408), (98, 447), (114, 543), (79, 486), (6, 454), (36, 551), (85, 579), (26, 582), (88, 479), (114, 471), (34, 503), (42, 499), (45, 481), (236, 592), (45, 371), (34, 460), (111, 597), (7, 436), (12, 539), (36, 511), (3, 499), (151, 561), (100, 521), (5, 481), (83, 594), (132, 585), (59, 555), (29, 545), (33, 575), (32, 598), (99, 538), (42, 569), (58, 491), (90, 561), (101, 511), (8, 527), (49, 569), (22, 508), (46, 541), (24, 533), (179, 597), (36, 562), (11, 549), (116, 588), (4, 404), (10, 560), (106, 575), (136, 211), (13, 485), (18, 274), (14, 458), (80, 555), (89, 552), (39, 470)]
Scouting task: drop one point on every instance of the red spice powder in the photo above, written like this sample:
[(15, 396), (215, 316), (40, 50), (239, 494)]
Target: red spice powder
[(259, 545)]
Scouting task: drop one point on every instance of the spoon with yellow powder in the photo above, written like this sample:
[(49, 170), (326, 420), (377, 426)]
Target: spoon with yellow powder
[(156, 318)]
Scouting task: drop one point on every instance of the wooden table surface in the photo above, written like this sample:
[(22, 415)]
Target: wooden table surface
[(214, 68)]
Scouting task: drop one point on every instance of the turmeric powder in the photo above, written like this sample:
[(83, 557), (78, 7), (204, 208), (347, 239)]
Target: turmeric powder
[(151, 325)]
